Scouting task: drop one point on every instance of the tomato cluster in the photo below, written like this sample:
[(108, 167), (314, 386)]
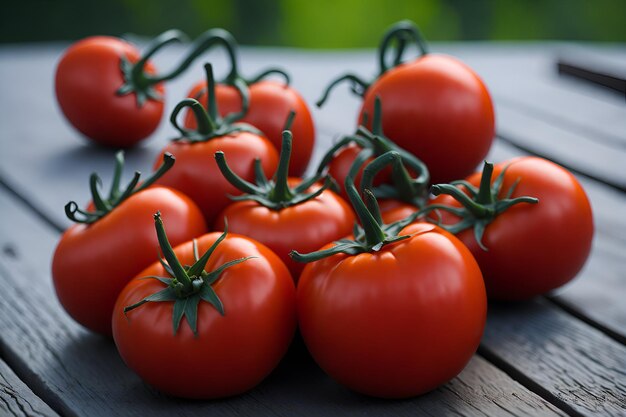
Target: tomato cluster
[(366, 256)]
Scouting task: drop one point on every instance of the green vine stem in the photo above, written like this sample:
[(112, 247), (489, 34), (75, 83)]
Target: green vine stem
[(137, 81), (276, 193), (209, 123), (370, 233), (102, 205), (403, 33), (234, 77), (479, 206), (404, 187), (187, 285)]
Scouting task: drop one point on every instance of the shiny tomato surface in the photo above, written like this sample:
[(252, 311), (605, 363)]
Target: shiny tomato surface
[(87, 78), (437, 108), (231, 353), (197, 175), (532, 248), (397, 322), (304, 227), (270, 104), (93, 263)]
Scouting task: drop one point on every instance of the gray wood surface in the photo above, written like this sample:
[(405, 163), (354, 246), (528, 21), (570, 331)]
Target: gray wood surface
[(578, 365), (17, 400), (79, 373), (45, 163)]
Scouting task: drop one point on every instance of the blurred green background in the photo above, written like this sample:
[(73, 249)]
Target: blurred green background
[(317, 24)]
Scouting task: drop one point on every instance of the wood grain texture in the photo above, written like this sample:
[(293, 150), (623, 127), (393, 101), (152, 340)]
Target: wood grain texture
[(17, 400), (578, 365), (79, 373)]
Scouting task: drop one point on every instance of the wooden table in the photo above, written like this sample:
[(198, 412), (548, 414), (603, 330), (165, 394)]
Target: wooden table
[(556, 355)]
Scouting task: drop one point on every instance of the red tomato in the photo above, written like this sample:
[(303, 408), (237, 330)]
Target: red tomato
[(197, 175), (340, 166), (394, 210), (437, 108), (92, 263), (270, 104), (231, 353), (532, 248), (87, 79), (397, 322), (304, 227)]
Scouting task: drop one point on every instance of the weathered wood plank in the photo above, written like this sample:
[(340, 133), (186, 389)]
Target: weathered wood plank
[(16, 399), (573, 150), (79, 373), (525, 78), (580, 366)]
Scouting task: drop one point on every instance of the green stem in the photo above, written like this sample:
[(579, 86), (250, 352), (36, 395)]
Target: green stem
[(197, 268), (116, 196), (201, 44), (94, 183), (233, 178), (117, 175), (330, 154), (404, 31), (205, 126), (211, 98), (270, 71), (372, 205), (135, 79), (281, 191), (477, 209), (168, 252), (168, 162), (485, 195), (359, 87), (371, 227), (165, 38)]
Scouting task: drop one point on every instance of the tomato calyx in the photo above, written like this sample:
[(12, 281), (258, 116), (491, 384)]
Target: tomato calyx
[(136, 80), (208, 121), (368, 236), (104, 206), (479, 206), (187, 285), (375, 144), (403, 33), (273, 193)]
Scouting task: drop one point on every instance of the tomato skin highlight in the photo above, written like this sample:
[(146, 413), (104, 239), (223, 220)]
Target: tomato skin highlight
[(197, 175), (304, 227), (398, 322), (270, 104), (438, 109), (394, 210), (232, 353), (87, 78), (536, 248), (93, 263)]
